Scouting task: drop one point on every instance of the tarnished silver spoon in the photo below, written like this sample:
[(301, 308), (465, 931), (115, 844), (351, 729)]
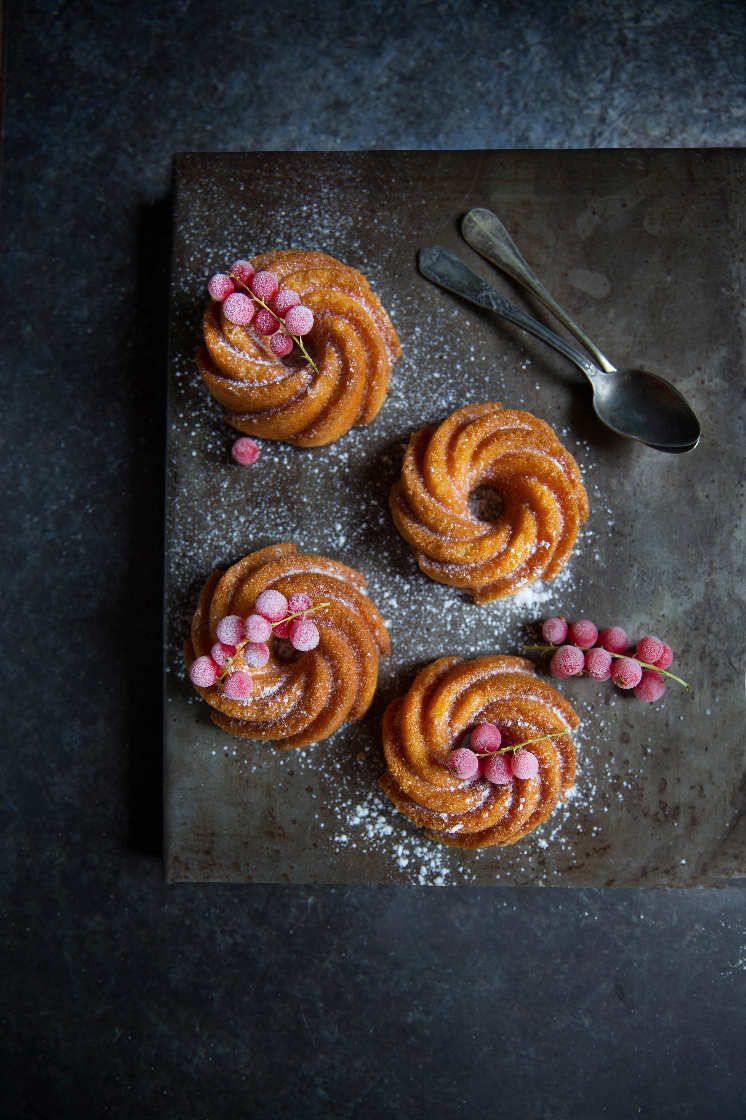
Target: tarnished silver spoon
[(632, 402), (638, 405)]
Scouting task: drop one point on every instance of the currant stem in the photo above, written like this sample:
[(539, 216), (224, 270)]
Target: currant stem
[(288, 618), (525, 743), (645, 664), (295, 337)]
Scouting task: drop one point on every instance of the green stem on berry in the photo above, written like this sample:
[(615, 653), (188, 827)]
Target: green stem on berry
[(525, 743), (644, 664), (295, 337)]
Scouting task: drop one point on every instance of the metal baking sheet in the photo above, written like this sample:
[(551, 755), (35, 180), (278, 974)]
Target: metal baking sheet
[(646, 251)]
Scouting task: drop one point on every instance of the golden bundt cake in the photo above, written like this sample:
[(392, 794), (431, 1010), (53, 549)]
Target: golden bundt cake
[(537, 480), (448, 699), (352, 341), (298, 697)]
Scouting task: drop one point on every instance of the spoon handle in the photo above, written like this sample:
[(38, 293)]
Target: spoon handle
[(484, 231), (443, 267)]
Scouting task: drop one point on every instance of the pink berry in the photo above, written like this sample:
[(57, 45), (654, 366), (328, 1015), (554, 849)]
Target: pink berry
[(554, 630), (283, 301), (203, 672), (257, 628), (230, 630), (299, 320), (245, 451), (299, 602), (222, 654), (614, 639), (243, 271), (463, 763), (239, 686), (583, 634), (280, 344), (626, 672), (220, 286), (598, 664), (649, 649), (271, 604), (665, 659), (651, 686), (264, 285), (497, 770), (265, 322), (486, 738), (568, 661), (239, 309), (281, 629), (255, 655), (304, 634), (524, 764)]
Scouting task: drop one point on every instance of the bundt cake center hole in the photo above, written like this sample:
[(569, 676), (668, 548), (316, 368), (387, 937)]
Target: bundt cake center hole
[(284, 650), (485, 503), (296, 358)]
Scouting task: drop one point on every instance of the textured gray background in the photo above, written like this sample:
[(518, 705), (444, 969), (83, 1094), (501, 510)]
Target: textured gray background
[(123, 997)]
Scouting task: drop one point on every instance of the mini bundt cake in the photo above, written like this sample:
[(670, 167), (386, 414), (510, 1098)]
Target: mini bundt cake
[(302, 697), (537, 480), (447, 700), (352, 341)]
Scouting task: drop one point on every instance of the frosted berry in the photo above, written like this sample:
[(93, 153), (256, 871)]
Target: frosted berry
[(614, 639), (281, 629), (524, 764), (554, 631), (304, 634), (203, 672), (651, 686), (280, 344), (463, 763), (222, 654), (265, 322), (598, 664), (230, 630), (257, 628), (245, 451), (299, 602), (649, 649), (626, 672), (255, 655), (239, 686), (271, 604), (497, 770), (264, 285), (243, 271), (283, 301), (583, 634), (220, 286), (299, 320), (485, 738), (568, 661), (239, 309), (665, 659)]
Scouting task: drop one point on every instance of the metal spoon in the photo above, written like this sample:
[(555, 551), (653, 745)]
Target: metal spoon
[(632, 402), (638, 405)]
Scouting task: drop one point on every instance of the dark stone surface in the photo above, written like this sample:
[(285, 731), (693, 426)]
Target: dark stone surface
[(123, 997)]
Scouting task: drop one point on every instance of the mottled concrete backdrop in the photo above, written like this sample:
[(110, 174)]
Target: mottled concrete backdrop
[(123, 997)]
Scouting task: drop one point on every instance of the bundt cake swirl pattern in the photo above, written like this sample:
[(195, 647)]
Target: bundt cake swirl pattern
[(303, 700), (352, 340), (448, 698), (517, 455)]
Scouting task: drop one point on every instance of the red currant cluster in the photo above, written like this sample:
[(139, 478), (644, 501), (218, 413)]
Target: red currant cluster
[(481, 754), (242, 643), (603, 656), (254, 297)]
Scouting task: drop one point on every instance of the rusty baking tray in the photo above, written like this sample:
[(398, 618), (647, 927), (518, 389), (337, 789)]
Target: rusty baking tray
[(646, 250)]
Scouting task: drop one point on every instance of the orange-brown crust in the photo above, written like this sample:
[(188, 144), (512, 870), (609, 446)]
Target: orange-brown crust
[(544, 501), (303, 701), (447, 699), (352, 338)]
